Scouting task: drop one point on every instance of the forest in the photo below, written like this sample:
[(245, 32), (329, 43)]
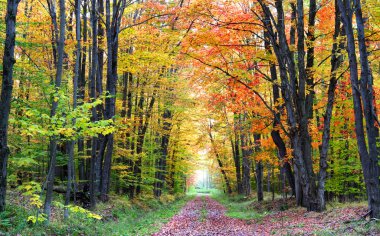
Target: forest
[(189, 117)]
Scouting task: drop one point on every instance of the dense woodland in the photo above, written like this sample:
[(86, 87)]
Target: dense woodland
[(132, 97)]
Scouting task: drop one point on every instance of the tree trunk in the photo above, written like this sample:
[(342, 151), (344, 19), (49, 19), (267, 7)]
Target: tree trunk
[(276, 137), (246, 153), (236, 153), (71, 145), (219, 160), (259, 171), (336, 62), (293, 84), (94, 141), (161, 162), (57, 84), (112, 32), (6, 94), (362, 92), (81, 94)]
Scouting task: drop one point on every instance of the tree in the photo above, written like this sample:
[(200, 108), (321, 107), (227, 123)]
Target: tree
[(363, 99), (60, 43), (6, 94)]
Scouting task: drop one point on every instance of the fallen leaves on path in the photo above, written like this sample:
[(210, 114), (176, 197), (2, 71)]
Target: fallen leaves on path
[(192, 221), (205, 216)]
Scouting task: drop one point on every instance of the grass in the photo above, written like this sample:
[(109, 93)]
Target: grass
[(238, 206), (143, 216)]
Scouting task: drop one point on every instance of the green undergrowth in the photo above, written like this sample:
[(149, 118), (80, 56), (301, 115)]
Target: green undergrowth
[(120, 216), (248, 208), (238, 206)]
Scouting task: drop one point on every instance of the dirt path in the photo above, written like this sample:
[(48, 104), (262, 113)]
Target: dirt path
[(205, 216)]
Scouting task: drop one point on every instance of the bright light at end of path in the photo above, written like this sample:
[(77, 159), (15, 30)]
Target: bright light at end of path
[(203, 153), (200, 176)]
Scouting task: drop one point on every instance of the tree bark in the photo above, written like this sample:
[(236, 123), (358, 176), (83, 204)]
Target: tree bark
[(336, 62), (236, 153), (81, 93), (246, 153), (259, 171), (6, 94), (219, 160), (275, 133), (160, 173), (362, 92), (71, 145), (54, 107), (94, 184)]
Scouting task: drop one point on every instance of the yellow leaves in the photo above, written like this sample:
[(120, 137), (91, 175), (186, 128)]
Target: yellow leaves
[(36, 201), (119, 167), (66, 132), (34, 219), (87, 213), (30, 188), (94, 216)]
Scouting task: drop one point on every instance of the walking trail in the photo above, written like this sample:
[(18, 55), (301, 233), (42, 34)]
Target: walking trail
[(205, 216)]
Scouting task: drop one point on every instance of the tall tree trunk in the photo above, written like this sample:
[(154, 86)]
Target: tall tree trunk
[(81, 93), (142, 128), (71, 145), (112, 32), (246, 153), (160, 174), (293, 82), (275, 133), (6, 94), (362, 92), (236, 153), (219, 160), (99, 91), (57, 84), (94, 141), (336, 62), (259, 171)]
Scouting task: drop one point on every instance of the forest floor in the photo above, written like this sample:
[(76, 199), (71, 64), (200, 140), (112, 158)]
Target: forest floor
[(206, 216)]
